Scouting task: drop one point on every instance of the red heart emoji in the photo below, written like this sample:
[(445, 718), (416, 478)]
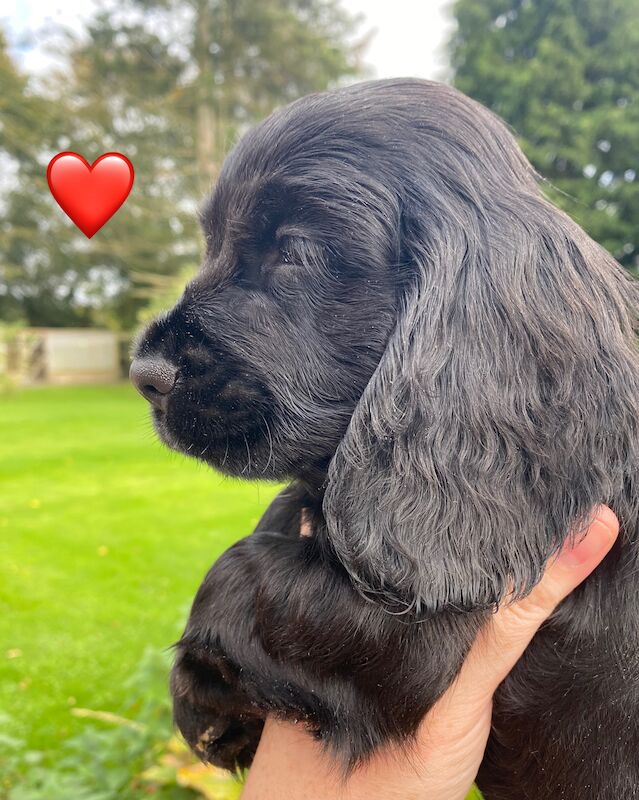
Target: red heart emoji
[(90, 194)]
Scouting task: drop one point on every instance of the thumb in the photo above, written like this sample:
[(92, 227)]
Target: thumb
[(501, 643)]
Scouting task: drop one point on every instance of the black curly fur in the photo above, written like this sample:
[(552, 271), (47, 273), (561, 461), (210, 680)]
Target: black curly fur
[(391, 315)]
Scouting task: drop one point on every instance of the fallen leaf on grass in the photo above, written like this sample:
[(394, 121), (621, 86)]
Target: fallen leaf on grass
[(177, 767)]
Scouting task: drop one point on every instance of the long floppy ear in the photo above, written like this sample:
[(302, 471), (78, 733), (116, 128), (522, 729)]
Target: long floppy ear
[(505, 406)]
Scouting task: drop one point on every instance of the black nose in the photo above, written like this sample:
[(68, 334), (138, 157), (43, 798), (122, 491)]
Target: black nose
[(154, 378)]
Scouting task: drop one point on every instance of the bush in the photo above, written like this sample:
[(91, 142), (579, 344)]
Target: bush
[(117, 756)]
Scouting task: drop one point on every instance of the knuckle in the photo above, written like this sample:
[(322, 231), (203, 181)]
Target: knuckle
[(531, 611)]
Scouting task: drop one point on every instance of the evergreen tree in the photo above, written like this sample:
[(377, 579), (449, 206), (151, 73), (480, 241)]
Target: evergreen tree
[(33, 286), (565, 75)]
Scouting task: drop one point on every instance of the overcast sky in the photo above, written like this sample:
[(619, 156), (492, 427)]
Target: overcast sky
[(408, 40)]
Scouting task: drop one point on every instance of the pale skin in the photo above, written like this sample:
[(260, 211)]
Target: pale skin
[(450, 743)]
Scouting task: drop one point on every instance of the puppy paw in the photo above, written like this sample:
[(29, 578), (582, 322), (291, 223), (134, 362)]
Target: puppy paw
[(210, 709), (232, 667)]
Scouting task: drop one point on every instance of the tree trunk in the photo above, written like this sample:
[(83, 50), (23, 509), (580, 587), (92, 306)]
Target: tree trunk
[(206, 121)]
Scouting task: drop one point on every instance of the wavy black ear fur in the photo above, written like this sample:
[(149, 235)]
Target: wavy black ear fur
[(505, 405)]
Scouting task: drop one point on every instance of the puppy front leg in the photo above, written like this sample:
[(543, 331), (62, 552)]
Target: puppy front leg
[(211, 706), (278, 629)]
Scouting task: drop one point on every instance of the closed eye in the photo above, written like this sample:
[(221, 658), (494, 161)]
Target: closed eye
[(286, 248), (295, 246)]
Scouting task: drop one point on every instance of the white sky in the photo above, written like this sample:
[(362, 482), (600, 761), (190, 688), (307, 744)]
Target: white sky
[(409, 37)]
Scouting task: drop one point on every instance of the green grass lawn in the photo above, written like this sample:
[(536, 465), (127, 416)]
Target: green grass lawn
[(104, 538)]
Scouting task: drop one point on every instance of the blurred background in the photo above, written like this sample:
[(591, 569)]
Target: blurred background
[(105, 536)]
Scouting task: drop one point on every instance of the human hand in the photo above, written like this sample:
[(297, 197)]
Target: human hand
[(449, 746)]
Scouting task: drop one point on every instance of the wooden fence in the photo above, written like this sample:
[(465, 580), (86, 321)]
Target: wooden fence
[(64, 356)]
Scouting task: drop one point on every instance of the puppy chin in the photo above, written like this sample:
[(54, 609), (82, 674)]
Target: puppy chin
[(165, 433), (231, 450)]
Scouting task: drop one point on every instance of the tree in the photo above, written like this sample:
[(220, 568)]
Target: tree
[(565, 75), (50, 274), (30, 281), (171, 84)]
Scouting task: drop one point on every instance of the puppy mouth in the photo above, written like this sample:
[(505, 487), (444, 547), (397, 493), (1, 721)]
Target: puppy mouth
[(214, 424)]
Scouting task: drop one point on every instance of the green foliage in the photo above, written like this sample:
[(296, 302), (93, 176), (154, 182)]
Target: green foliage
[(565, 75), (101, 761), (171, 84), (31, 270), (115, 758)]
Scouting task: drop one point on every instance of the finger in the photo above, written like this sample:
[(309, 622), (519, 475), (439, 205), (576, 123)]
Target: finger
[(500, 645)]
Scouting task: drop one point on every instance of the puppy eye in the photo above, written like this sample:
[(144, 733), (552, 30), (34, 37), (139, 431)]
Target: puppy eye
[(286, 252)]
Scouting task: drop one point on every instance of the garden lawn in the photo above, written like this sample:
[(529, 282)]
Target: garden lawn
[(104, 538)]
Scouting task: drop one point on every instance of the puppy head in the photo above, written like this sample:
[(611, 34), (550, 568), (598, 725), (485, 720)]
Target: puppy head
[(385, 289), (275, 339)]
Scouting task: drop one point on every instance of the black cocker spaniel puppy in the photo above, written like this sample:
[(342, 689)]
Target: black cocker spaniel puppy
[(445, 366)]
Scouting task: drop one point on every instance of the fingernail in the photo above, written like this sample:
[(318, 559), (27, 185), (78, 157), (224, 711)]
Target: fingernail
[(601, 534)]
